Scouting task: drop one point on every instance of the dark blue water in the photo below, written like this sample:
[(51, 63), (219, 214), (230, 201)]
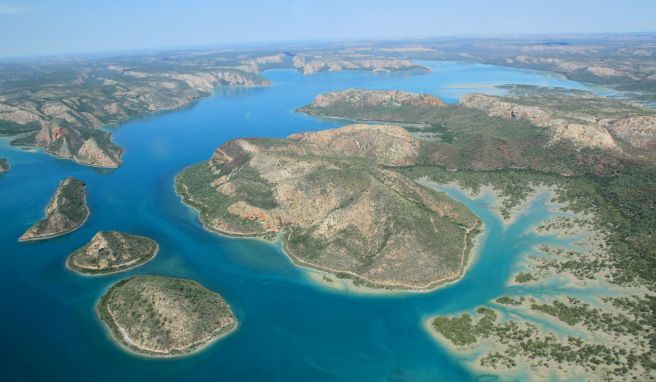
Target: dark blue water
[(290, 329)]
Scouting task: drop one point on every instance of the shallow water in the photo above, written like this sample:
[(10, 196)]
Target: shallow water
[(290, 329)]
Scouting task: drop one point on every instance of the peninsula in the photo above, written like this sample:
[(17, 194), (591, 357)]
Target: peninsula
[(161, 316), (596, 156), (342, 207), (66, 212), (112, 251)]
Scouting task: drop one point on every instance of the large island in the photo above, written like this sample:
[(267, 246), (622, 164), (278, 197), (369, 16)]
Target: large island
[(163, 316), (66, 212), (339, 203)]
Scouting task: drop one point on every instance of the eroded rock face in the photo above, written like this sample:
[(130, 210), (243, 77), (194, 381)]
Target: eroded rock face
[(342, 208), (639, 131), (112, 251), (582, 134), (164, 316), (66, 212)]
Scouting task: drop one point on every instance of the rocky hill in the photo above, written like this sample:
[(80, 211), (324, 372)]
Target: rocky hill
[(112, 251), (338, 202), (66, 212), (530, 127), (583, 119), (372, 105)]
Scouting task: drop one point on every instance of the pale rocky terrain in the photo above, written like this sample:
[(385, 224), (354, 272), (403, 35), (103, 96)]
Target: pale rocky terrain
[(163, 316), (65, 117), (66, 212), (338, 201), (591, 126), (112, 251)]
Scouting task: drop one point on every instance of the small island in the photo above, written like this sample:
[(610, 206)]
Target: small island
[(66, 212), (164, 316), (4, 165), (112, 251)]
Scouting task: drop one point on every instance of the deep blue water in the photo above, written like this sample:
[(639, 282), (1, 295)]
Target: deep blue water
[(290, 329)]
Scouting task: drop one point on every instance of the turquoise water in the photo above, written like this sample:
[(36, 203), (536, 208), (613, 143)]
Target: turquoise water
[(290, 329)]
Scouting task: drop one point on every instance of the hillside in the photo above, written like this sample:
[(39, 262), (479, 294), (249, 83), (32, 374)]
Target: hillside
[(338, 202)]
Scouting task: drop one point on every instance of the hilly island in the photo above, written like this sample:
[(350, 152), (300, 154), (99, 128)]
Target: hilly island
[(66, 212), (338, 202), (112, 251)]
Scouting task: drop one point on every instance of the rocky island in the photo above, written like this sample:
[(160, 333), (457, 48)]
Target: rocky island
[(163, 316), (112, 251), (340, 204), (4, 165), (66, 212)]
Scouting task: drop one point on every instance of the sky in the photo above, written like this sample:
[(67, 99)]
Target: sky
[(45, 27)]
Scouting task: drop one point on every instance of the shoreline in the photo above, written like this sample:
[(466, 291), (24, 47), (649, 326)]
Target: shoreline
[(52, 236), (72, 269), (124, 343), (348, 283), (192, 351)]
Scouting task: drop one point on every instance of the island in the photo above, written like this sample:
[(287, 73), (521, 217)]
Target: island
[(66, 212), (111, 252), (338, 203), (160, 316), (4, 165)]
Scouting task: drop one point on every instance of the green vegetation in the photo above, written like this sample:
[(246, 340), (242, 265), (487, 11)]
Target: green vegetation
[(112, 251), (525, 277), (339, 210), (66, 212), (164, 316)]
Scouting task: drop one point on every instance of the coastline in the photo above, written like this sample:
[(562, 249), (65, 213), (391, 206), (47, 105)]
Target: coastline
[(52, 236), (125, 344), (73, 269), (348, 284)]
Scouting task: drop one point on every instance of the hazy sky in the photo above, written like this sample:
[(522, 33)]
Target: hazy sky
[(29, 27)]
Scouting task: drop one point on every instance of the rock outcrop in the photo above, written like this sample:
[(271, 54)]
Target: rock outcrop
[(4, 165), (581, 134)]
